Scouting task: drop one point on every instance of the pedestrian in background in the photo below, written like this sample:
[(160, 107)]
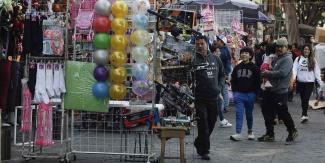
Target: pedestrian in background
[(245, 83), (305, 72), (224, 123), (225, 57), (276, 98)]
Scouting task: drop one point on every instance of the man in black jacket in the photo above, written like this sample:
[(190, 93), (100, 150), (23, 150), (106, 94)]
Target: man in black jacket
[(208, 81)]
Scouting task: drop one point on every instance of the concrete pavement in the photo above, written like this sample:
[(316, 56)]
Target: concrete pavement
[(309, 147)]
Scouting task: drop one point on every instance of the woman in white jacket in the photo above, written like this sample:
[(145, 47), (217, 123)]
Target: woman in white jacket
[(306, 72)]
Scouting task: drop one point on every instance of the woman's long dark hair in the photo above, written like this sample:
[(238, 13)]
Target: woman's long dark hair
[(311, 58)]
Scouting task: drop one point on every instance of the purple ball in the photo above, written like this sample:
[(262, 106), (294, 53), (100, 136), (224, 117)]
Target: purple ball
[(100, 73)]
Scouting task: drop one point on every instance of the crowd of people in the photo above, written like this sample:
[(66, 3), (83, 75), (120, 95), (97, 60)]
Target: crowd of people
[(270, 71)]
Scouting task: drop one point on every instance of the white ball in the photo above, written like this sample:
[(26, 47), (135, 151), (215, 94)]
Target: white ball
[(101, 57), (103, 7), (140, 6)]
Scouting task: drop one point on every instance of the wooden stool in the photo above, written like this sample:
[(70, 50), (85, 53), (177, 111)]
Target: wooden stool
[(172, 132)]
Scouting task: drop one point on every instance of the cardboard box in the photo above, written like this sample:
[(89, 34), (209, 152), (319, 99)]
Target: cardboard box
[(320, 34)]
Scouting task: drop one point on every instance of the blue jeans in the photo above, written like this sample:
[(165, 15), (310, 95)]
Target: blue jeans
[(244, 102), (225, 103)]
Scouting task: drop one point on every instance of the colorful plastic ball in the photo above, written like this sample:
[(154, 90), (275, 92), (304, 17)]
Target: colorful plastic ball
[(140, 87), (119, 26), (140, 6), (102, 24), (140, 37), (101, 41), (140, 21), (100, 90), (140, 54), (100, 57), (117, 91), (117, 58), (100, 73), (103, 7), (140, 71), (120, 9), (118, 75), (119, 42)]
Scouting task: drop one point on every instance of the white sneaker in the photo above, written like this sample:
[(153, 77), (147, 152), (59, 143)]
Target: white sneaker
[(251, 136), (224, 123), (304, 119), (236, 137), (268, 84)]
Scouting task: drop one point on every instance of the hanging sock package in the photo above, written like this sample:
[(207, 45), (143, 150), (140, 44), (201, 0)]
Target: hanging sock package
[(79, 82), (53, 41), (27, 111), (44, 130)]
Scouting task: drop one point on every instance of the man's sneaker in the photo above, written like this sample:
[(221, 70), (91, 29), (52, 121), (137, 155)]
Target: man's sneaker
[(205, 157), (268, 84), (224, 123), (251, 135), (236, 137), (266, 138), (292, 136), (276, 121), (304, 119)]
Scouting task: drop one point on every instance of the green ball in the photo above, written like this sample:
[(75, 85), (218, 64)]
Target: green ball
[(101, 41)]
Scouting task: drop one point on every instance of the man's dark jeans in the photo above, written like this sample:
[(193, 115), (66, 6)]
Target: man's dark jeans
[(207, 112), (272, 103)]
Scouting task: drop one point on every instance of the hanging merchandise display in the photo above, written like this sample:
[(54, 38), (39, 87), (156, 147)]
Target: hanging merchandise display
[(5, 72), (81, 96), (49, 82), (27, 110), (33, 35), (208, 17), (44, 130), (101, 42), (58, 80), (119, 42), (140, 53), (53, 42)]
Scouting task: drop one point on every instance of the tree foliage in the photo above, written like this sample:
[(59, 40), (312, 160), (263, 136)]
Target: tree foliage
[(309, 12), (291, 21)]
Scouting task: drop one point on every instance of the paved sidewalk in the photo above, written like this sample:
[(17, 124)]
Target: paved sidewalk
[(309, 147)]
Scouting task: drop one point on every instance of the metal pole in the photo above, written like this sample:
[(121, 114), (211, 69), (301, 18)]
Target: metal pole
[(154, 58), (0, 133)]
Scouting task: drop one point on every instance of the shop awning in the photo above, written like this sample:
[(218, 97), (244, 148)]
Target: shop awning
[(251, 10), (252, 18), (229, 3)]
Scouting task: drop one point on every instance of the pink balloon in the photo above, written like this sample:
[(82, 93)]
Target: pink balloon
[(140, 87)]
